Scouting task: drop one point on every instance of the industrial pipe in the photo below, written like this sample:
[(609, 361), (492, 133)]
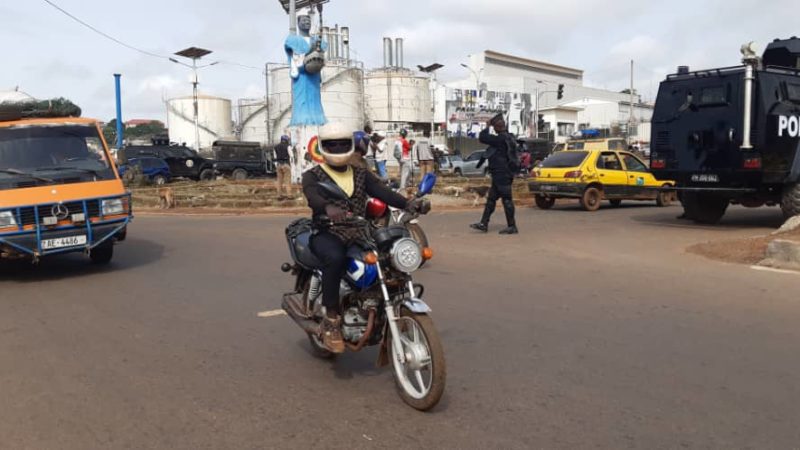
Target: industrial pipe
[(120, 128), (387, 52), (346, 43), (398, 60)]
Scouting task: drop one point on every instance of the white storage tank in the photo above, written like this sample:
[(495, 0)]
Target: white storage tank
[(215, 120), (398, 96), (342, 100)]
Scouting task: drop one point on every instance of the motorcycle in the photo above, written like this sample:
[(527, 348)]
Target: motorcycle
[(409, 220), (381, 304)]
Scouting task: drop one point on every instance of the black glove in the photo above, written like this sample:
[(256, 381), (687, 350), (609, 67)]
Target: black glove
[(419, 206), (335, 213)]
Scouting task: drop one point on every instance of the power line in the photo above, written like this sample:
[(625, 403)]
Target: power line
[(105, 35)]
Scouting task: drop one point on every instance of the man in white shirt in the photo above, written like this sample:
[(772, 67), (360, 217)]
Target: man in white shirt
[(378, 146)]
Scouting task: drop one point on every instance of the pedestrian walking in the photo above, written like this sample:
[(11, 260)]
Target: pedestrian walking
[(402, 151), (283, 166), (380, 153), (503, 165), (424, 152)]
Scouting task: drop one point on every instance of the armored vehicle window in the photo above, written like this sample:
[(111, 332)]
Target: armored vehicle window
[(793, 92), (716, 95)]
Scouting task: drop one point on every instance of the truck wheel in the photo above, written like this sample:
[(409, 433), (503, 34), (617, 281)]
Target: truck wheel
[(239, 174), (704, 208), (543, 202), (591, 199), (103, 253), (206, 175), (790, 200)]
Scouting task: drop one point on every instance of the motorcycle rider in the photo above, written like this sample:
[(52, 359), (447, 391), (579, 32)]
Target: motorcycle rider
[(503, 165), (330, 243)]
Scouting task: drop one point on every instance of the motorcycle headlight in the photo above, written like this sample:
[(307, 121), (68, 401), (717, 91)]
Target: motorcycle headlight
[(7, 219), (406, 255), (113, 207)]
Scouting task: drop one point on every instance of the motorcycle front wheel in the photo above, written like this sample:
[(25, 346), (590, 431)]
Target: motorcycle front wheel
[(418, 235), (420, 380)]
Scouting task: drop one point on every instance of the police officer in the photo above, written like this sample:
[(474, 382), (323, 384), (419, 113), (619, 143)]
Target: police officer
[(503, 164)]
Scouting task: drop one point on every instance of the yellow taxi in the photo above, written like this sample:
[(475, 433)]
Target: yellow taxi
[(596, 175)]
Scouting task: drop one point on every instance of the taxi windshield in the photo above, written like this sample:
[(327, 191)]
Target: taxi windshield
[(36, 154)]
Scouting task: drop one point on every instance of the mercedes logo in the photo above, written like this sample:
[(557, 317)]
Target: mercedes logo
[(60, 211)]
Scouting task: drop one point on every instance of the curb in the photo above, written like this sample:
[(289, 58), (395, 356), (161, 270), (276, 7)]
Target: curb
[(782, 254)]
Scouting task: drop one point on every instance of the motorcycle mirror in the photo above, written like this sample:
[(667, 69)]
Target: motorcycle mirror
[(333, 191), (426, 185)]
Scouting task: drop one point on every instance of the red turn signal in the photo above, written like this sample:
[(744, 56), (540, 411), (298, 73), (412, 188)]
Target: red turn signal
[(752, 163), (427, 253), (371, 258), (658, 164)]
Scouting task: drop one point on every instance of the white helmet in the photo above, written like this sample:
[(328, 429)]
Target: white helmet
[(336, 144)]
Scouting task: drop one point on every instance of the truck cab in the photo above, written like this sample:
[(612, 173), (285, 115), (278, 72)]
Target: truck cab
[(59, 189), (730, 135)]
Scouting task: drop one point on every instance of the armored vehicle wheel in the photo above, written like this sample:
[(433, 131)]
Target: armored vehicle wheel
[(790, 201), (591, 199), (207, 175), (704, 208), (543, 202), (239, 174)]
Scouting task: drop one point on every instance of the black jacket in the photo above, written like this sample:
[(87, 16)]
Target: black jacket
[(497, 153), (372, 186)]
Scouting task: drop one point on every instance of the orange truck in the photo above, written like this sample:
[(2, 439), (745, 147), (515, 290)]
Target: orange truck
[(60, 191)]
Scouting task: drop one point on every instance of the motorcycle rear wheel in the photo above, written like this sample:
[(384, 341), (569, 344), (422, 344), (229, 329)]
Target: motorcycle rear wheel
[(421, 380)]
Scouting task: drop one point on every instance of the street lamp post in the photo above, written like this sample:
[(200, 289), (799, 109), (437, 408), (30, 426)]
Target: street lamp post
[(194, 54), (431, 70), (476, 74)]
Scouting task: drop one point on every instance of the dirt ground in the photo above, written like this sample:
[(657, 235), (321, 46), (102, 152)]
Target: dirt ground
[(741, 251)]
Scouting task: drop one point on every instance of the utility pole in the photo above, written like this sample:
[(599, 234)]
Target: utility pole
[(266, 106), (194, 54), (293, 16), (630, 119)]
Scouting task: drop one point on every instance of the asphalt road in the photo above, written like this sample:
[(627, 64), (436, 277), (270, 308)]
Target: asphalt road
[(587, 330)]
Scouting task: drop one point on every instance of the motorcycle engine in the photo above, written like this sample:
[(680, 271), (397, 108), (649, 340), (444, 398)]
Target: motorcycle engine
[(354, 324)]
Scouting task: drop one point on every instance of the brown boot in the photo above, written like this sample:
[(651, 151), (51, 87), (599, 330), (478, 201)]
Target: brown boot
[(332, 335)]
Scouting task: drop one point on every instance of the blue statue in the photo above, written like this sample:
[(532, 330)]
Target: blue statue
[(306, 58)]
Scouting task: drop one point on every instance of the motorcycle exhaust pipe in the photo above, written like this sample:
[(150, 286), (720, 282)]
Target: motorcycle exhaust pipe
[(308, 325)]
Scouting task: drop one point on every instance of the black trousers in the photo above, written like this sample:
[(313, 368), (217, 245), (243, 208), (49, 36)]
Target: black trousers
[(332, 252), (501, 189)]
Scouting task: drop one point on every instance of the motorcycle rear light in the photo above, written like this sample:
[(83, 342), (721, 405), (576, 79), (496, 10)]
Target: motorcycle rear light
[(658, 164), (573, 174), (752, 163)]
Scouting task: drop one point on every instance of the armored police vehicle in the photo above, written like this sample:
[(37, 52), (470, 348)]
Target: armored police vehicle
[(732, 135)]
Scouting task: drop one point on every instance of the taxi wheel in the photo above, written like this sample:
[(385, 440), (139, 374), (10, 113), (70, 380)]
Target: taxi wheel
[(543, 202), (591, 199)]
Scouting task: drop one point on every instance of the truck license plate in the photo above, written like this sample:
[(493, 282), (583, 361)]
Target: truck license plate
[(64, 242)]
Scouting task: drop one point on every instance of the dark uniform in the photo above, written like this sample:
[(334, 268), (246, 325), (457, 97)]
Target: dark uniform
[(502, 175)]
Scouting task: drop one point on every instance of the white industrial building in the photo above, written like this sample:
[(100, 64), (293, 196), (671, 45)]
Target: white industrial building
[(214, 120), (500, 82)]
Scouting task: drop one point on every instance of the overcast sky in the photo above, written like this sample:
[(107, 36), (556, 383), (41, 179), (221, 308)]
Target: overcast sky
[(47, 54)]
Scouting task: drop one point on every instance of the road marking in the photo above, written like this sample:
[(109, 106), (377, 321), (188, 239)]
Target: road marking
[(770, 269), (274, 313)]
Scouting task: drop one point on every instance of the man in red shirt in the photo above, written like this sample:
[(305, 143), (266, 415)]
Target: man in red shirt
[(403, 149)]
